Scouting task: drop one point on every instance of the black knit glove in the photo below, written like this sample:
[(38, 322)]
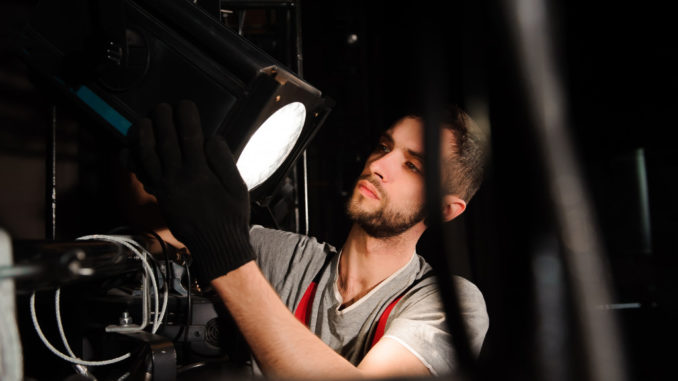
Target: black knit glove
[(202, 196)]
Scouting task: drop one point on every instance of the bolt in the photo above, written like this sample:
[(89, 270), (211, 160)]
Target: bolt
[(125, 319)]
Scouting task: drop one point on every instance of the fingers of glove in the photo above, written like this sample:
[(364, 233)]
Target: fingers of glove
[(189, 132), (142, 142), (132, 164), (223, 165), (167, 144)]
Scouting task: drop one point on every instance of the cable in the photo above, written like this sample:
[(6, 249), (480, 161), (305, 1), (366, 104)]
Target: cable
[(183, 331), (73, 360), (140, 252), (167, 275), (157, 318), (163, 246), (57, 308), (157, 270), (189, 307), (134, 246)]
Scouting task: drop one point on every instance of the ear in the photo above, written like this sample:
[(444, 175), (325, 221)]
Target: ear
[(453, 206)]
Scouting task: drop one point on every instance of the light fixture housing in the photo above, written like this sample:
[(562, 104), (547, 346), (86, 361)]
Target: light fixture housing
[(119, 58)]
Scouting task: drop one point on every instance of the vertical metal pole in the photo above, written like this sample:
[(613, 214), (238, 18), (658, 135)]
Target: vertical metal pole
[(300, 73), (644, 201), (50, 191), (306, 219), (583, 257), (50, 177), (432, 63)]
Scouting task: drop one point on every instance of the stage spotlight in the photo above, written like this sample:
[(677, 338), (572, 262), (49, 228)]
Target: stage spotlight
[(271, 144), (119, 58)]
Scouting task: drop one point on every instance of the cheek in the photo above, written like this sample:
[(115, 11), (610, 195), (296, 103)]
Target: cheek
[(412, 195), (419, 197)]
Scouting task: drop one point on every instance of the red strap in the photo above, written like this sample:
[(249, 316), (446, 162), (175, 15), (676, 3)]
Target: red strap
[(303, 311), (381, 326), (304, 307)]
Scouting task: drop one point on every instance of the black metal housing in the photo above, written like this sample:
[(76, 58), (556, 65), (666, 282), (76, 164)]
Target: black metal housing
[(119, 59)]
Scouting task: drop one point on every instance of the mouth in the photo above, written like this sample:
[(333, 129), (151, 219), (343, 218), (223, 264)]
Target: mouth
[(368, 190)]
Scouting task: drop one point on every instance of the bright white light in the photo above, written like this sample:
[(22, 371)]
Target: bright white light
[(271, 144)]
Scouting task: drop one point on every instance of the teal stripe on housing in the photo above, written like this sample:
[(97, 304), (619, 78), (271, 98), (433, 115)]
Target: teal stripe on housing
[(104, 109)]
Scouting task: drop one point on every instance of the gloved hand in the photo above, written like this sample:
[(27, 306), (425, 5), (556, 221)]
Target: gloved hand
[(202, 196)]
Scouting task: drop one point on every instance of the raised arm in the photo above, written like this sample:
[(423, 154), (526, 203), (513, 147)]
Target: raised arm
[(206, 206)]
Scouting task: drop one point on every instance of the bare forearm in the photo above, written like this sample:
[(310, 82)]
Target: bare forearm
[(282, 345)]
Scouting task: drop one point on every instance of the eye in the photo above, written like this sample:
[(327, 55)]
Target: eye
[(381, 147), (412, 167)]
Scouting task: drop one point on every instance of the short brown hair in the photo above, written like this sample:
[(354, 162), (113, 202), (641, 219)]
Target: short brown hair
[(463, 173)]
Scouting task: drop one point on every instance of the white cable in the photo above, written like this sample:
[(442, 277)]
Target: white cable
[(137, 250), (133, 245), (130, 244), (158, 319), (57, 309), (141, 253), (73, 360), (164, 305)]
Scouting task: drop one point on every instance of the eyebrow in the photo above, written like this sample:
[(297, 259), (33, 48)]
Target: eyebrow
[(386, 136), (418, 155)]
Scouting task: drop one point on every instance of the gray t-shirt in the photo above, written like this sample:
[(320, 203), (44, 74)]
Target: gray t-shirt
[(290, 261)]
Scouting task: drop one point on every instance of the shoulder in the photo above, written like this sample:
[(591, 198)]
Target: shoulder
[(263, 238), (261, 235), (418, 320), (424, 300), (471, 299), (285, 256), (424, 294), (426, 289)]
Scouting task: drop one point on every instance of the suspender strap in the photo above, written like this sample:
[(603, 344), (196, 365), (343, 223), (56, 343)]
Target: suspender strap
[(304, 307), (381, 326), (303, 311)]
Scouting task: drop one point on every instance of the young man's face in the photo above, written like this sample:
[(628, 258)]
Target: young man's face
[(388, 197)]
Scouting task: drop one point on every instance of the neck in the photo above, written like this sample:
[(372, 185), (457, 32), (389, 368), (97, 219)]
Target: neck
[(366, 261)]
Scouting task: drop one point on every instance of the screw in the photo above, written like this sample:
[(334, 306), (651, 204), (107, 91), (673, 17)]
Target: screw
[(125, 319)]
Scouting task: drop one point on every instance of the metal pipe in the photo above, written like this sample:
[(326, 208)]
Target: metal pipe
[(50, 176), (300, 73), (644, 201), (434, 92), (583, 257), (54, 263)]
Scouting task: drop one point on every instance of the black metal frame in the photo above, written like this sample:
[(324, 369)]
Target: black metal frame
[(229, 78)]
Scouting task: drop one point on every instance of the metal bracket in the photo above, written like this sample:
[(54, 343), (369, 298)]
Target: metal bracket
[(160, 357)]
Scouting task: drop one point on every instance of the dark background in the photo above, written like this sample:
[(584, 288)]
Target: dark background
[(617, 63)]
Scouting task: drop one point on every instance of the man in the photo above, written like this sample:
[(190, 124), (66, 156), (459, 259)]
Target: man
[(297, 283)]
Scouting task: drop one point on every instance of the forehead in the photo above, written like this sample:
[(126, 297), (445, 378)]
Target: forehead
[(408, 133)]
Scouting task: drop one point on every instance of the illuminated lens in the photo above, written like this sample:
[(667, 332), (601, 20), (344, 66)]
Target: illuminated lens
[(271, 144)]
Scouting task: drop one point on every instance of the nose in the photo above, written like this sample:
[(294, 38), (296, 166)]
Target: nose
[(382, 166)]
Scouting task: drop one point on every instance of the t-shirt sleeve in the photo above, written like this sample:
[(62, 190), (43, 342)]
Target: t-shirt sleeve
[(418, 323), (288, 260)]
